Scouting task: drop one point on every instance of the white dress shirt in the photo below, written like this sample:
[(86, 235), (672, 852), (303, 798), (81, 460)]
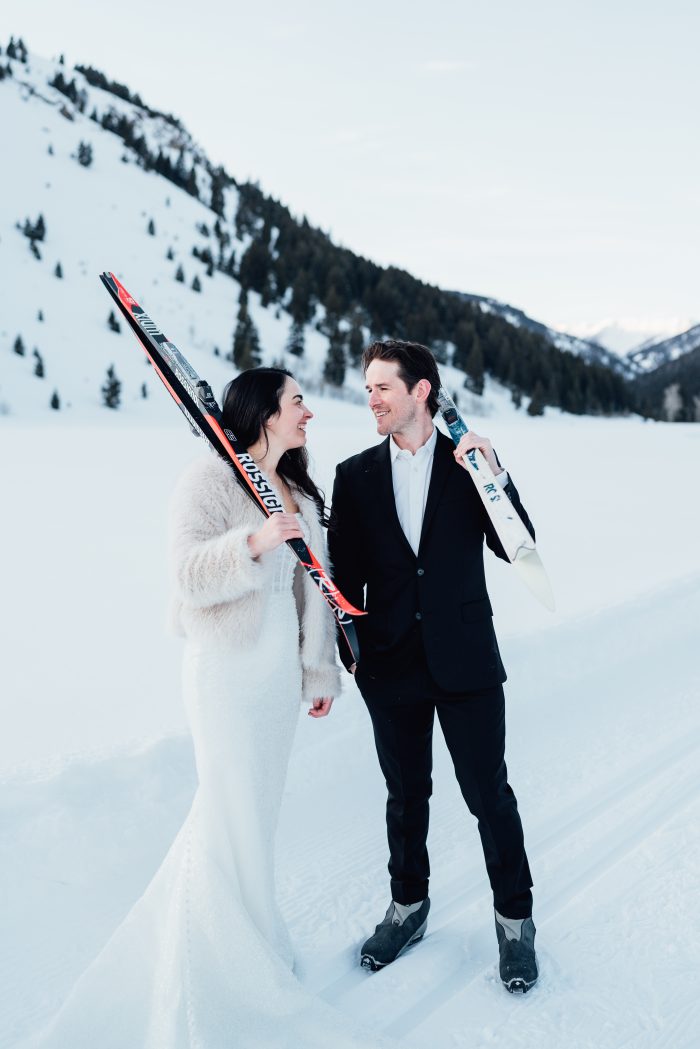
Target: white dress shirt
[(410, 474)]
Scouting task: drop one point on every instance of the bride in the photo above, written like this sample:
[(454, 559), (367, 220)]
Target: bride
[(204, 960)]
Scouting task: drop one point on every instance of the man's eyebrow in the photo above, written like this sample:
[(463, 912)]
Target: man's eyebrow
[(298, 397)]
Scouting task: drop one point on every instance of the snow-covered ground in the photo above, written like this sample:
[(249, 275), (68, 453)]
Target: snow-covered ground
[(604, 731)]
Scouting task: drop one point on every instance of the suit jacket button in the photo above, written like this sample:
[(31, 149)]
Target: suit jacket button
[(418, 615), (421, 571)]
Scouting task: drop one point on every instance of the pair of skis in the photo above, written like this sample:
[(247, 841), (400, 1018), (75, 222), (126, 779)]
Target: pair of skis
[(198, 404)]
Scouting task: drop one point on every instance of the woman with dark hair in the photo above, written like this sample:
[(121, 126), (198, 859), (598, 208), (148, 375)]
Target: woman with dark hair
[(204, 958)]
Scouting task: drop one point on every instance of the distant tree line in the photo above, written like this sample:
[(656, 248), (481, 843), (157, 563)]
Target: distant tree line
[(303, 269), (97, 79), (672, 391)]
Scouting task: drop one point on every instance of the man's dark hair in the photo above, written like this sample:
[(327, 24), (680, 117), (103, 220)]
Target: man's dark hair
[(415, 362)]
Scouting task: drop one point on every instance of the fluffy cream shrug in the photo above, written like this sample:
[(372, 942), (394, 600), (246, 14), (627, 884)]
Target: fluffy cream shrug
[(220, 591)]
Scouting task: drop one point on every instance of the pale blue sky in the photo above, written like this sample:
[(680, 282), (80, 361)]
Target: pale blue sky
[(544, 153)]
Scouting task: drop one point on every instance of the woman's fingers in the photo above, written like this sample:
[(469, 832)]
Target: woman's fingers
[(277, 530), (321, 707)]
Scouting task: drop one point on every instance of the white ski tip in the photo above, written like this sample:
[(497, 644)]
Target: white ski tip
[(531, 570)]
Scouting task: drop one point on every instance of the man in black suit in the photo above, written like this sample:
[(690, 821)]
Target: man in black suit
[(406, 542)]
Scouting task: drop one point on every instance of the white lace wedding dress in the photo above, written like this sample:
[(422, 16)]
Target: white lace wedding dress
[(203, 960)]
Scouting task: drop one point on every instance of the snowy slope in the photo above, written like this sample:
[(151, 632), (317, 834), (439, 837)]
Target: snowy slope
[(97, 218), (603, 737)]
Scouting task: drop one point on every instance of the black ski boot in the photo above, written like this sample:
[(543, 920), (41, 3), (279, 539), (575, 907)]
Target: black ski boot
[(394, 935), (516, 946)]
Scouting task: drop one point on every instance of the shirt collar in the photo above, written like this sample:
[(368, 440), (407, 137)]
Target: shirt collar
[(424, 452)]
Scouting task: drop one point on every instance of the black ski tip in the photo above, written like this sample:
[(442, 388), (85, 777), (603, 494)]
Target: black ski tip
[(107, 279)]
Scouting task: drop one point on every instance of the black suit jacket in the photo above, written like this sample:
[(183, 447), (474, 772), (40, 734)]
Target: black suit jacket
[(437, 598)]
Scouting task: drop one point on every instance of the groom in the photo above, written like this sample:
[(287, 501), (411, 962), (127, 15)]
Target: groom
[(408, 525)]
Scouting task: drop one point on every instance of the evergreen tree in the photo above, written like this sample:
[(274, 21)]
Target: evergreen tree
[(40, 315), (18, 346), (170, 254), (84, 155), (536, 405), (196, 284), (301, 307), (144, 390), (38, 230), (39, 364), (219, 182), (255, 265), (295, 342), (151, 227), (55, 401), (58, 271), (356, 341), (475, 368), (334, 367), (516, 397), (111, 389), (50, 150), (246, 343), (230, 266), (190, 185), (463, 338), (112, 322), (180, 274), (333, 305)]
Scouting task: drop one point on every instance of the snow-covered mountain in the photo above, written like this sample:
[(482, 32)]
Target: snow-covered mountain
[(624, 336), (97, 180), (653, 353), (94, 207), (589, 349)]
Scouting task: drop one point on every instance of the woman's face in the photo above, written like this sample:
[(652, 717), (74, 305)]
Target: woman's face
[(288, 426)]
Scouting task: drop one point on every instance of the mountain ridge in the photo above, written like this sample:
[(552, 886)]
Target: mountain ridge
[(283, 279)]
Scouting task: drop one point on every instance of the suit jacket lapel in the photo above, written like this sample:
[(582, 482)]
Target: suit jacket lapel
[(386, 503), (442, 462)]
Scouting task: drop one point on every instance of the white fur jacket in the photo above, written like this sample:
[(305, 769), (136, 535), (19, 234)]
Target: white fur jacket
[(220, 591)]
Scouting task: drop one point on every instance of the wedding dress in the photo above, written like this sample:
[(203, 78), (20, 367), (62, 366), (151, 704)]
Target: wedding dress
[(204, 960)]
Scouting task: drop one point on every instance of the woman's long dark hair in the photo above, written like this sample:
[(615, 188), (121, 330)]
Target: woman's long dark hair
[(249, 401)]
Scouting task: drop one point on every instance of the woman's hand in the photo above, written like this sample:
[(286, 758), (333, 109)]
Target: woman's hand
[(320, 707), (277, 530)]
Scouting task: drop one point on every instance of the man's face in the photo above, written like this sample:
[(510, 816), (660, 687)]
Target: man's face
[(393, 406)]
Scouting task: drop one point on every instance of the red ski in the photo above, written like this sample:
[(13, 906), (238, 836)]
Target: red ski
[(197, 402)]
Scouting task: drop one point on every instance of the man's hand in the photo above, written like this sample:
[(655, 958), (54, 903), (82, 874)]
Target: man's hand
[(353, 668), (472, 440), (320, 708)]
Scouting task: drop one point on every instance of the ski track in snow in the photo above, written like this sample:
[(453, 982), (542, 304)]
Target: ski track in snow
[(614, 865)]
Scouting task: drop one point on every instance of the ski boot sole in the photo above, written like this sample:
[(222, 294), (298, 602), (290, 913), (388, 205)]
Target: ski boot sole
[(518, 986)]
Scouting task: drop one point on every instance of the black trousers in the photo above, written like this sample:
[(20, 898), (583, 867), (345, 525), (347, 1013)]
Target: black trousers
[(402, 709)]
